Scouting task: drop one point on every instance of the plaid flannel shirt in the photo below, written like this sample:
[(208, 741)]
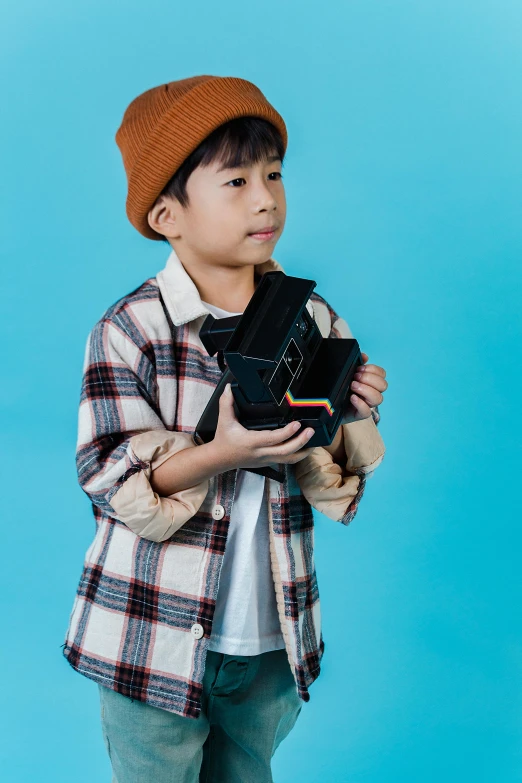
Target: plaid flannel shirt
[(142, 615)]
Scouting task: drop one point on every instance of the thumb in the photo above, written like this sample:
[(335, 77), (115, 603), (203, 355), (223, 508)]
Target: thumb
[(226, 403)]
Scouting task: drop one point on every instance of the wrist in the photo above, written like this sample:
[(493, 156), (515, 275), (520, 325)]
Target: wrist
[(216, 457)]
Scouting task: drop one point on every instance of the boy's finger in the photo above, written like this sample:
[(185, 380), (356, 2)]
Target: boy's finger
[(361, 406), (226, 403), (370, 379), (280, 435), (372, 368), (368, 394), (294, 445)]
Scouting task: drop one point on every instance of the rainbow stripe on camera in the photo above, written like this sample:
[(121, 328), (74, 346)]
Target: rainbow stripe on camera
[(311, 401)]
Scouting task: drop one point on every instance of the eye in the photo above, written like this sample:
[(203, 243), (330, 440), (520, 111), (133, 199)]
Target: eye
[(239, 179)]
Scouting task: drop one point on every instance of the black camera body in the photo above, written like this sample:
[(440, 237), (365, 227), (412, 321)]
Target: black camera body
[(280, 367)]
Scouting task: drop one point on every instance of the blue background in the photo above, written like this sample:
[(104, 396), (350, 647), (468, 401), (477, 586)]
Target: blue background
[(403, 181)]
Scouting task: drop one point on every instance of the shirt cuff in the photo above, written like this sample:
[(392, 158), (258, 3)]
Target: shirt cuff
[(146, 513)]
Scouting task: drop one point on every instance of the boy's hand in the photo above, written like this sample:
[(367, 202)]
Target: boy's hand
[(238, 447), (367, 387)]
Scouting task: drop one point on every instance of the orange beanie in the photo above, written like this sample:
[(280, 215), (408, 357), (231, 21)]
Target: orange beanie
[(163, 125)]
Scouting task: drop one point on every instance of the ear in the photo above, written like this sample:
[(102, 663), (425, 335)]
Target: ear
[(162, 218)]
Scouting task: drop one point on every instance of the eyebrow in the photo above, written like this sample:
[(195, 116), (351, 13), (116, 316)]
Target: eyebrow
[(240, 165)]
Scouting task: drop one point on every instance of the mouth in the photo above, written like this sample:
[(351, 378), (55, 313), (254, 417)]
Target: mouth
[(268, 232)]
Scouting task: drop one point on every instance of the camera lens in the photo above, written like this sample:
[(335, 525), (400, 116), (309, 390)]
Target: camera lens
[(302, 326)]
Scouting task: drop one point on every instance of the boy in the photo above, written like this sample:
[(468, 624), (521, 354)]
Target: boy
[(196, 683)]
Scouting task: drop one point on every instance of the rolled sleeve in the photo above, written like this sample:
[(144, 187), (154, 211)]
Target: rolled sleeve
[(134, 501)]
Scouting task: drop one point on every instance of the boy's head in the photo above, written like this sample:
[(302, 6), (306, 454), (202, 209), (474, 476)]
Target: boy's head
[(203, 158)]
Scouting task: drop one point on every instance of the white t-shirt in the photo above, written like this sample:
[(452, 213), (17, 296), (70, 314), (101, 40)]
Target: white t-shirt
[(246, 621)]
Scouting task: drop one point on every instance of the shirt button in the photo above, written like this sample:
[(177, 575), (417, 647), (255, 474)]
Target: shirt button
[(218, 512), (197, 630)]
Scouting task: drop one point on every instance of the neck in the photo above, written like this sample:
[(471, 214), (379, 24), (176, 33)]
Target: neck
[(229, 288)]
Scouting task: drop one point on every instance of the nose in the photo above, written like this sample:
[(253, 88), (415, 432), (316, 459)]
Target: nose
[(263, 198)]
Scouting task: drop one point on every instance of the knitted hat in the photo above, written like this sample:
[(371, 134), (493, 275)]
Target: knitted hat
[(162, 126)]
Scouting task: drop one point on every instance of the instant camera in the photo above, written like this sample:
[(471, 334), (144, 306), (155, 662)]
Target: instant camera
[(279, 366)]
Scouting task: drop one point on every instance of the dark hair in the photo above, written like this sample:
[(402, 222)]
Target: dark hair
[(242, 141)]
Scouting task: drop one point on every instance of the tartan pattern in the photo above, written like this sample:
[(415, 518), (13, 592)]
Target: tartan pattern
[(145, 368)]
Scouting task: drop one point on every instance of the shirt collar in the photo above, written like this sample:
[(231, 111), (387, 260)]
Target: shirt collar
[(180, 293)]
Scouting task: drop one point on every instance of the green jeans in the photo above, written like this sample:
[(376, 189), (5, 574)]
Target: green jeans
[(249, 705)]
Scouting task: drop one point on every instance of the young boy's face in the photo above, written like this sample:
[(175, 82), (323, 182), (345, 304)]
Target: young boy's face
[(225, 207)]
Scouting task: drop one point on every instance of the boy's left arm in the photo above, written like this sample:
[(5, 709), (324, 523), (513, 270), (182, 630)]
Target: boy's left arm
[(333, 478)]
